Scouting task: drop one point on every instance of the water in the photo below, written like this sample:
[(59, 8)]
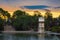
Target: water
[(28, 37)]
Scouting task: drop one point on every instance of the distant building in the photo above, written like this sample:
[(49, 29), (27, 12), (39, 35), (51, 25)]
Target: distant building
[(41, 25)]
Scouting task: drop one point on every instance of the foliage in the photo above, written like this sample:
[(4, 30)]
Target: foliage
[(56, 29), (48, 20), (23, 21), (1, 24), (3, 21)]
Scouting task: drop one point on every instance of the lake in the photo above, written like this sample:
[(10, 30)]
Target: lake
[(19, 36)]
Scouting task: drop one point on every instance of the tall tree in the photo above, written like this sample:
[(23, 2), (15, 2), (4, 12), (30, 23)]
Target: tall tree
[(5, 14), (1, 24), (48, 20)]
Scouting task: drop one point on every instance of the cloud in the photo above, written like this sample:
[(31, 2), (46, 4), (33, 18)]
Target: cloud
[(30, 2), (37, 7), (57, 7)]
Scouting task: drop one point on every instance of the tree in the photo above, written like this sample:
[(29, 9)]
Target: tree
[(1, 24), (5, 14), (8, 20), (23, 21), (59, 20), (55, 29), (48, 20), (37, 13), (18, 13)]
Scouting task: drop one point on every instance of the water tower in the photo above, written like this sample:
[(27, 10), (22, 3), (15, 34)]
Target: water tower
[(41, 25)]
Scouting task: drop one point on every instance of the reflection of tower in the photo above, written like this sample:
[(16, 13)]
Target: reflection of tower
[(41, 37), (41, 25)]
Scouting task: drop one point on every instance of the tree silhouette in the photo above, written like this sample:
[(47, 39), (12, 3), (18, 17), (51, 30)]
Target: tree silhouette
[(1, 24), (18, 13), (48, 20), (5, 14), (37, 13)]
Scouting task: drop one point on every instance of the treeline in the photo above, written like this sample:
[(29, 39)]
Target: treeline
[(21, 20), (52, 24)]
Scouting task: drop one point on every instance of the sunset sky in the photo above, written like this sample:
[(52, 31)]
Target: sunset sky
[(31, 5)]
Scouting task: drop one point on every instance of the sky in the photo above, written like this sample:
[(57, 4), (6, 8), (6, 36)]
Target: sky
[(31, 5)]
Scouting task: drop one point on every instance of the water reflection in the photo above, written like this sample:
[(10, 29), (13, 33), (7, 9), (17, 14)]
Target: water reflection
[(1, 37), (7, 37), (28, 37), (55, 38), (41, 37), (20, 37), (51, 37)]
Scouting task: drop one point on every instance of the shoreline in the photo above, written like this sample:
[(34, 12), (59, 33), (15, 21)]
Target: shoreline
[(27, 32), (31, 32)]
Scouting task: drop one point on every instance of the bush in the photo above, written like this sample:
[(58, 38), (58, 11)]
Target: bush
[(56, 29)]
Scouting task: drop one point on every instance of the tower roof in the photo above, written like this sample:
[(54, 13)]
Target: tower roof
[(41, 19)]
